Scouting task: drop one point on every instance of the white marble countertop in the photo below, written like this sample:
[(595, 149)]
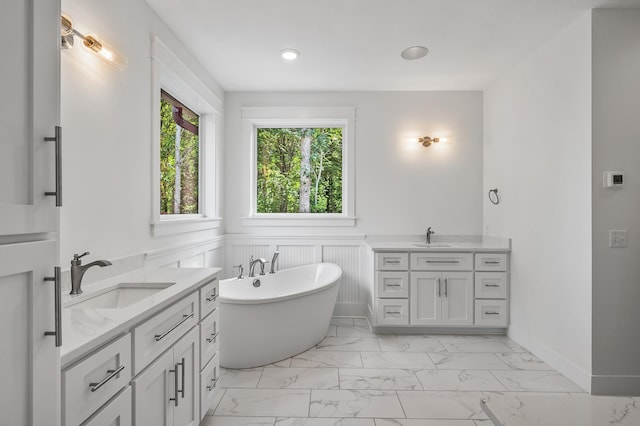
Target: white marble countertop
[(440, 243), (84, 329), (567, 409)]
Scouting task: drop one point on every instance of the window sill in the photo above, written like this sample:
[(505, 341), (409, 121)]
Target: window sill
[(182, 225), (295, 220)]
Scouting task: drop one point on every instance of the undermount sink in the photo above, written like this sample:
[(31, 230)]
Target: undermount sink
[(117, 297), (432, 245)]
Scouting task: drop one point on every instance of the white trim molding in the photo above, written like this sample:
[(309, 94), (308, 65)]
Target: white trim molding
[(300, 116)]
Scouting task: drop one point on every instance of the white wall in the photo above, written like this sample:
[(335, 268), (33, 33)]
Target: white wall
[(616, 146), (106, 117), (537, 152)]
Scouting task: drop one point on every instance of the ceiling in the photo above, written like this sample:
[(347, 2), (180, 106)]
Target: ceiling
[(355, 45)]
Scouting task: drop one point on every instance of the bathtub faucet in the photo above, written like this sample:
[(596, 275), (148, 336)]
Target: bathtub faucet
[(240, 271), (273, 262), (252, 266)]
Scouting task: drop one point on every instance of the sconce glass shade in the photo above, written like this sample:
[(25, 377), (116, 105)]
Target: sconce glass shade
[(105, 52)]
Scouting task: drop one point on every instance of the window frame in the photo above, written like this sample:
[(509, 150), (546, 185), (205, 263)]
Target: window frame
[(254, 118), (170, 74)]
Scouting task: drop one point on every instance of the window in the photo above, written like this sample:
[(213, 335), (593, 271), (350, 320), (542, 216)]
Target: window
[(179, 157), (302, 166), (299, 170)]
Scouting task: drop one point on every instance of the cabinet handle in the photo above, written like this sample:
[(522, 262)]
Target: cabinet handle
[(183, 374), (392, 285), (213, 384), (159, 337), (446, 287), (58, 141), (491, 262), (492, 285), (57, 292), (439, 289), (110, 375), (393, 262), (213, 297), (393, 312), (213, 337), (443, 261), (175, 385), (492, 313)]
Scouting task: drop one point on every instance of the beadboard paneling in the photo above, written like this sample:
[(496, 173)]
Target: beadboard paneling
[(292, 256), (348, 258), (197, 261)]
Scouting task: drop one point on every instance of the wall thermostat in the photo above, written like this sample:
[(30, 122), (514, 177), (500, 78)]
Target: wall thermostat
[(613, 180)]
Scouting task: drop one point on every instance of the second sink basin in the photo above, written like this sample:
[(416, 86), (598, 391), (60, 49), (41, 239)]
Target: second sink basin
[(432, 245), (117, 297)]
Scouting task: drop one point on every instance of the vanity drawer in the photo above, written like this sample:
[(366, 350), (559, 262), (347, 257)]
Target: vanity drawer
[(392, 261), (209, 341), (208, 298), (393, 284), (116, 412), (491, 262), (441, 261), (93, 381), (393, 312), (160, 332), (209, 385), (491, 285), (491, 313)]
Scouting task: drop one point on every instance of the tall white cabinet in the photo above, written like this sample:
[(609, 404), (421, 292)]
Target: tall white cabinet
[(29, 113)]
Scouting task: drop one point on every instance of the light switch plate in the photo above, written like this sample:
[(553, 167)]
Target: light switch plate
[(618, 238)]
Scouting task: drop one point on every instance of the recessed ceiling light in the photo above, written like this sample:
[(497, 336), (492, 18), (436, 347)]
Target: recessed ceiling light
[(289, 54), (414, 52)]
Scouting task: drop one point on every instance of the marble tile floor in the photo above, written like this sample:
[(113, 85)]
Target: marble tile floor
[(355, 377)]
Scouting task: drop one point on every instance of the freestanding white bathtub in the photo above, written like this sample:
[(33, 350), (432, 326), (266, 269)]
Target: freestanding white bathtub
[(287, 314)]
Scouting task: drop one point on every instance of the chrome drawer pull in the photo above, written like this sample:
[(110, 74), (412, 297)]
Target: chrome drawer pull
[(58, 141), (492, 313), (491, 262), (393, 312), (394, 262), (392, 285), (442, 261), (492, 285), (57, 293), (111, 374), (213, 337), (212, 386), (159, 337), (446, 286), (212, 297)]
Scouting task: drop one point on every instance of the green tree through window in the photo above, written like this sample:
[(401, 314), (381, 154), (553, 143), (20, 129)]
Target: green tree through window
[(299, 170), (179, 155)]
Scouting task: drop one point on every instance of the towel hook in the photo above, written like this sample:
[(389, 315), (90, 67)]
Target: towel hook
[(493, 196)]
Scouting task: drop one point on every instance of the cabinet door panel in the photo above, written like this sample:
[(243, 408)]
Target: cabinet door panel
[(29, 360), (457, 301), (28, 113), (116, 413), (425, 308), (187, 354), (152, 390)]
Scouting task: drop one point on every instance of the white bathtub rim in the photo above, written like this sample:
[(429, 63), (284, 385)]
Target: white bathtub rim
[(334, 282)]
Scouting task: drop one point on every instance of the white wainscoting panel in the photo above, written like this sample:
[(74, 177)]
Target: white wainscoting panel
[(293, 255), (350, 298), (197, 261)]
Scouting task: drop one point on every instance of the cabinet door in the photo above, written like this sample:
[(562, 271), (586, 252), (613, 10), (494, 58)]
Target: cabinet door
[(152, 392), (186, 359), (29, 360), (29, 112), (117, 412), (457, 298), (425, 307)]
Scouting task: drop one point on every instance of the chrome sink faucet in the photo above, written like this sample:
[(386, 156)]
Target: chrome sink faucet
[(252, 266), (429, 234), (78, 270)]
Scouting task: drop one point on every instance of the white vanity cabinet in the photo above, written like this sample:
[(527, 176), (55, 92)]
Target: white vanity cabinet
[(209, 368), (491, 290), (441, 298)]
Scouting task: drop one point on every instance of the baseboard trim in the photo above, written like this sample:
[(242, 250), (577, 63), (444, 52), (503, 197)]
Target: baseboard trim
[(350, 310), (573, 372), (615, 385)]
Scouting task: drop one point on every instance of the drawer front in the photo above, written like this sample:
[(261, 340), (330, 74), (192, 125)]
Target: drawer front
[(393, 312), (208, 385), (160, 332), (92, 382), (491, 261), (116, 412), (209, 341), (491, 285), (209, 298), (491, 313), (392, 261), (393, 284), (441, 261)]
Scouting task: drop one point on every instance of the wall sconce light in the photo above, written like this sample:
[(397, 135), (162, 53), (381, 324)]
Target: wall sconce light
[(92, 43), (426, 141)]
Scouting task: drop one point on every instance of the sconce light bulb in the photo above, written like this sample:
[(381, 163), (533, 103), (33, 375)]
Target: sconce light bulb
[(105, 52)]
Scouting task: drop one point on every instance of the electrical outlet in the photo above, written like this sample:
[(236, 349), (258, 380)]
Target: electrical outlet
[(618, 238)]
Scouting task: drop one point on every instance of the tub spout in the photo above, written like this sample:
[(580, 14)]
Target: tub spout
[(273, 262), (252, 266)]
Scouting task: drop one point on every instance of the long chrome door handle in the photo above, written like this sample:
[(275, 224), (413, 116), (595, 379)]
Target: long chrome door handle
[(159, 337), (183, 374), (57, 290), (446, 285), (439, 289), (175, 384), (110, 375), (58, 141)]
